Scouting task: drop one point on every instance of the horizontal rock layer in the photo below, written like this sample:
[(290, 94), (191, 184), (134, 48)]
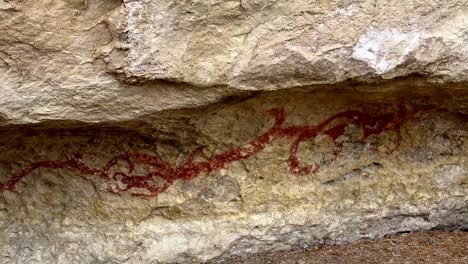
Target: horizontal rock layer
[(183, 131), (276, 171), (98, 61), (263, 44)]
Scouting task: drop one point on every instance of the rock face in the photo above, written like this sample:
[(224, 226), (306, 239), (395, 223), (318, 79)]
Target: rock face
[(183, 131), (262, 44)]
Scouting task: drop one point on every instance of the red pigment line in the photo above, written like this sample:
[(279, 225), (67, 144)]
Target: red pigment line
[(146, 186)]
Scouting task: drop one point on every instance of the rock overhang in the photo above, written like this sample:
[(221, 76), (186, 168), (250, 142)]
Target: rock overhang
[(183, 131)]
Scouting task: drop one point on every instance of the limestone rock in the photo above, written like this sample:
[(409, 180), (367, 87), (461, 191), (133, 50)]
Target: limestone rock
[(319, 168), (62, 64), (142, 131), (263, 44)]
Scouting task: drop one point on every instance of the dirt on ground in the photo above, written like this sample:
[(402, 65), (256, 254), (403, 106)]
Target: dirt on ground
[(419, 247)]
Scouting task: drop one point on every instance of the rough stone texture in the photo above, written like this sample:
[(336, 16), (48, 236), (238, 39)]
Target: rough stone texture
[(53, 67), (271, 44), (55, 56), (404, 178), (143, 131)]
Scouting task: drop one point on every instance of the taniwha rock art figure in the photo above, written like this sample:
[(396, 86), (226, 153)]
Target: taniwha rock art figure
[(162, 174)]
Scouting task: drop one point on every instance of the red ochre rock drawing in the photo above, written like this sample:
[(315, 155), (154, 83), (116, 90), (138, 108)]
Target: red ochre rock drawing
[(148, 186)]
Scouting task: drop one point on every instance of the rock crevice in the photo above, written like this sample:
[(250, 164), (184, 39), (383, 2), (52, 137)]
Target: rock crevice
[(141, 131)]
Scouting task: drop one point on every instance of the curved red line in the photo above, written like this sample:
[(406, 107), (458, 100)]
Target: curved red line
[(191, 169)]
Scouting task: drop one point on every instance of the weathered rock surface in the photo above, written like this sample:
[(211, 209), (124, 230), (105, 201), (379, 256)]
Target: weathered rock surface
[(56, 56), (181, 131), (263, 44)]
